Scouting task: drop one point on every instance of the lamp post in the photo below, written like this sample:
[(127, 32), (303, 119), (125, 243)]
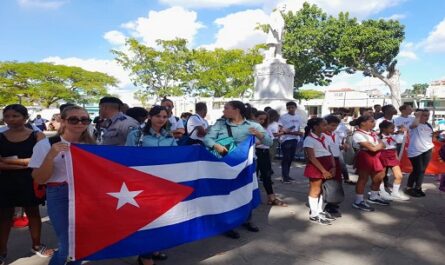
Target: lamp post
[(20, 98)]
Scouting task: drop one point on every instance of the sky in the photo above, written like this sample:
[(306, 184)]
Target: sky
[(82, 32)]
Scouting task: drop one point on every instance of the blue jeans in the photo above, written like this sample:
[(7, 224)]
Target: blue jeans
[(288, 149), (57, 199)]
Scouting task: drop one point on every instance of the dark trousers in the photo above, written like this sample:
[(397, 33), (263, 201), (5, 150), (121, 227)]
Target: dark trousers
[(288, 149), (265, 168), (419, 163)]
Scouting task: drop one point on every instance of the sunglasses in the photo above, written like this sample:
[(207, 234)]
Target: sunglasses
[(76, 120)]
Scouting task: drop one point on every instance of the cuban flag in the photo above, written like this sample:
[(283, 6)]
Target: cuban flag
[(125, 201)]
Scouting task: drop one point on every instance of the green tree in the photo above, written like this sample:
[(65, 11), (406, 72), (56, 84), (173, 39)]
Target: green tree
[(321, 46), (158, 72), (46, 83), (224, 73), (307, 94)]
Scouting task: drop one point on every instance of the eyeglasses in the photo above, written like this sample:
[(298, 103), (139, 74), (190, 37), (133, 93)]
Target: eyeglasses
[(76, 120)]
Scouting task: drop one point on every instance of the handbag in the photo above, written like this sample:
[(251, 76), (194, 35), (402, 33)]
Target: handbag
[(228, 142), (39, 191), (333, 191)]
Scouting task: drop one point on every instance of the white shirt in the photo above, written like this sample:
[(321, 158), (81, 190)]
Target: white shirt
[(176, 124), (194, 121), (391, 141), (290, 121), (333, 141), (380, 120), (360, 136), (314, 142), (341, 131), (41, 149), (403, 121), (272, 128), (40, 121), (421, 140)]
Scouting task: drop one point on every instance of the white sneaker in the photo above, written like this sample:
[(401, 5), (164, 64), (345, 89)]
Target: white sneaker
[(399, 196), (385, 195)]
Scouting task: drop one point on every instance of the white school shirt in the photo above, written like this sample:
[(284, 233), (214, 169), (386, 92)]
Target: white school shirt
[(341, 131), (41, 149), (391, 141), (194, 121), (333, 141), (272, 128), (380, 120), (175, 124), (287, 121), (404, 121), (311, 141), (360, 136), (421, 140)]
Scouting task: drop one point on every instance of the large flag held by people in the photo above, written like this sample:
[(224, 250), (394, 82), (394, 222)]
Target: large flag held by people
[(124, 201)]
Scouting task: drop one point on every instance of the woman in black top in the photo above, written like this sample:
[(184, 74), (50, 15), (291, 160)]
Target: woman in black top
[(16, 184)]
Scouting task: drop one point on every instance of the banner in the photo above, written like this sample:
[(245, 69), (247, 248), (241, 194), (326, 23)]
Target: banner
[(125, 201)]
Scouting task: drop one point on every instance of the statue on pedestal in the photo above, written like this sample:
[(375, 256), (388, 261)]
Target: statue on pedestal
[(275, 35)]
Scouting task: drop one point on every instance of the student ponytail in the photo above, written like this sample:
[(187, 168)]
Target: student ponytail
[(311, 123)]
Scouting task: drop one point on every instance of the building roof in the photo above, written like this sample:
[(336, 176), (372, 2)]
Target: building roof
[(438, 83)]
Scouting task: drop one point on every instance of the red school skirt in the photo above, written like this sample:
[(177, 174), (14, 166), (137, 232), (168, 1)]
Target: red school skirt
[(312, 171), (389, 158), (369, 161)]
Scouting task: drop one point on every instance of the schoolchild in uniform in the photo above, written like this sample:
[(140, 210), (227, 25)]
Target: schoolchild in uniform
[(420, 150), (389, 159), (320, 166), (334, 142), (367, 162)]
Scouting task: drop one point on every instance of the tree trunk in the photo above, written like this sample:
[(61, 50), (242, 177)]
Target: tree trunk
[(392, 80)]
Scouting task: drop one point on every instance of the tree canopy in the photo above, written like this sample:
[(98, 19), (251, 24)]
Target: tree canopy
[(306, 94), (172, 69), (322, 46), (45, 83), (417, 89)]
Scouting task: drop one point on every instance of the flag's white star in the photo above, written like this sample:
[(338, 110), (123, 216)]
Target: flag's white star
[(125, 196)]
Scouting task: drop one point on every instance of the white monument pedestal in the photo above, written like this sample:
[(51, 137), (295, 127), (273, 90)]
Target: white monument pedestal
[(274, 83)]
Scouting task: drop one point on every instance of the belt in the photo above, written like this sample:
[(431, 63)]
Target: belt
[(56, 184)]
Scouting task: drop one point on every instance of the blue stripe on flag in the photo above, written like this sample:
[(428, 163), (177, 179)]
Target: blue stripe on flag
[(137, 156), (209, 187), (162, 238)]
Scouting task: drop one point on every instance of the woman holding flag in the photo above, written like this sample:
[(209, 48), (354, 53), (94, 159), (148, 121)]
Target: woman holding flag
[(237, 125), (48, 161)]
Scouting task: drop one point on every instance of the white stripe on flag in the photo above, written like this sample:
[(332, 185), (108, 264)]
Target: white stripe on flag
[(203, 206), (189, 171)]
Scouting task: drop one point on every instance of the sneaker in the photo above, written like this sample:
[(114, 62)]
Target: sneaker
[(420, 192), (385, 195), (42, 251), (412, 192), (327, 216), (291, 179), (363, 206), (287, 181), (320, 221), (399, 196), (379, 200)]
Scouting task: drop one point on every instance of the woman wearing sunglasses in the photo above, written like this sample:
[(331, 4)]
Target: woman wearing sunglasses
[(49, 168)]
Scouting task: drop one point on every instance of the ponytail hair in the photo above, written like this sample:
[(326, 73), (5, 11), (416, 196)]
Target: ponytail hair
[(311, 123), (384, 125), (360, 120)]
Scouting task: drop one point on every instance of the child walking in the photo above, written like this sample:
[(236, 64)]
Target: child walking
[(320, 166)]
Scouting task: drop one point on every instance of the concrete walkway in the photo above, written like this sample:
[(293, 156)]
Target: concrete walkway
[(411, 232)]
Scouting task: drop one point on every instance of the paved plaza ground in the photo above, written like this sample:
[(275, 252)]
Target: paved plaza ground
[(411, 232)]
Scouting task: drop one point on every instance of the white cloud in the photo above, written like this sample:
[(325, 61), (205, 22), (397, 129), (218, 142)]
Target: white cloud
[(45, 4), (237, 30), (408, 51), (109, 67), (435, 42), (115, 37), (396, 17), (168, 24), (209, 3)]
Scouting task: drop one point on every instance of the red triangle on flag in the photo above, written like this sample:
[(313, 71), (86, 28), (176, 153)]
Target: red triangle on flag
[(113, 201)]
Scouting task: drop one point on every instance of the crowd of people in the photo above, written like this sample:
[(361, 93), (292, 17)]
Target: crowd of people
[(28, 158)]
